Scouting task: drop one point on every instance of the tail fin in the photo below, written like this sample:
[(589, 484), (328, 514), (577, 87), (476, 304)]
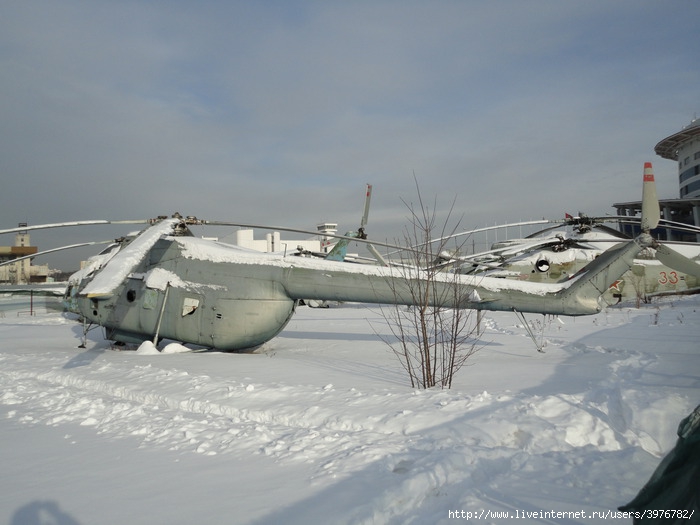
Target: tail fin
[(650, 202), (593, 280), (340, 249)]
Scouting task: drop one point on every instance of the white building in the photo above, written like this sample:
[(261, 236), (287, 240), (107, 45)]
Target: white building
[(273, 241), (684, 148)]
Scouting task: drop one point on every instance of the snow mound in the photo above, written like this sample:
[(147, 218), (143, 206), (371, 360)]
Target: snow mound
[(147, 348)]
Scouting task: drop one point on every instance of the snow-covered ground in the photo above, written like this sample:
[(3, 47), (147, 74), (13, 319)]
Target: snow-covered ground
[(320, 425)]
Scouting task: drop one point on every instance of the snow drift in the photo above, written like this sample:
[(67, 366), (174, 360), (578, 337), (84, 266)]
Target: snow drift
[(319, 424)]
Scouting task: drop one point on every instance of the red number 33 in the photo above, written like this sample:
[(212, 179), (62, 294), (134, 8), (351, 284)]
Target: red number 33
[(668, 278)]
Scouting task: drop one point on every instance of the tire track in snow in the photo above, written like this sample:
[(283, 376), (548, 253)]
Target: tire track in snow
[(173, 409), (386, 433)]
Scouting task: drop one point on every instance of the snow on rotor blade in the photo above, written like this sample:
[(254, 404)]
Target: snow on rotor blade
[(122, 264), (72, 223)]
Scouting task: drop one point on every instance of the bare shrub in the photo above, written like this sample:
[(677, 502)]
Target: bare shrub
[(432, 339)]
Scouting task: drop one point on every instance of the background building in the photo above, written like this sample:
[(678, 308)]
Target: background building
[(274, 243), (21, 272), (684, 148)]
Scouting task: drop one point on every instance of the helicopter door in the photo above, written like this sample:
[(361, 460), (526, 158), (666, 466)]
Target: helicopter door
[(190, 308)]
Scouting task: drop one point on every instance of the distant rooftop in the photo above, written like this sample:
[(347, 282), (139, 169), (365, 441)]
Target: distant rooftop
[(668, 147)]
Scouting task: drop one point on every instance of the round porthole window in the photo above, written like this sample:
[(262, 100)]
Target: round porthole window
[(131, 296), (542, 265)]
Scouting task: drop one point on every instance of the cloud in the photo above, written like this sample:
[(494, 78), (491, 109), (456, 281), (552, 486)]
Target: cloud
[(281, 112)]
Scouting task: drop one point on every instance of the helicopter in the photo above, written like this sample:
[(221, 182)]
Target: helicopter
[(163, 282), (553, 256), (557, 258)]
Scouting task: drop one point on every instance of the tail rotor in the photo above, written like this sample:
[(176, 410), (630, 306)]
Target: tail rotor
[(650, 220)]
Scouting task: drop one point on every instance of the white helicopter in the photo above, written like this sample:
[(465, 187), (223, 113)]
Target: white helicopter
[(557, 253), (165, 283), (553, 258)]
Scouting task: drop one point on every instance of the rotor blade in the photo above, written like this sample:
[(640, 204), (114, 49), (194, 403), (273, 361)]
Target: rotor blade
[(69, 247), (512, 249), (650, 202), (377, 255), (306, 232), (597, 222), (612, 231), (679, 226), (495, 227), (665, 223), (559, 224), (116, 270), (73, 223), (365, 214), (477, 230), (677, 261), (593, 222)]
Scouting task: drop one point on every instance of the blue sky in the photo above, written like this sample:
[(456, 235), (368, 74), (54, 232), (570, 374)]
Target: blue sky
[(280, 112)]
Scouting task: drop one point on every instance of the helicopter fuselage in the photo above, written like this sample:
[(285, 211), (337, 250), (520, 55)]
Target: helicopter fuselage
[(218, 295)]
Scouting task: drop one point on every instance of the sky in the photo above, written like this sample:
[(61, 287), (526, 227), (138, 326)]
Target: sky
[(279, 112)]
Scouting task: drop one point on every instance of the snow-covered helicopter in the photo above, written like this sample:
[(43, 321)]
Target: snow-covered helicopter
[(552, 258), (556, 253), (166, 283)]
